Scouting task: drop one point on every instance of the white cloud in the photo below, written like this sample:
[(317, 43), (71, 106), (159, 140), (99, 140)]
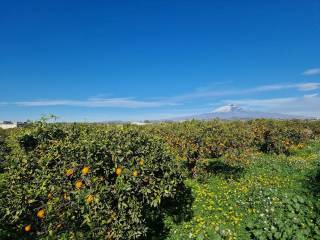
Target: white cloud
[(272, 87), (308, 86), (207, 93), (299, 86), (133, 103), (311, 95), (307, 105), (269, 103), (96, 102), (311, 72)]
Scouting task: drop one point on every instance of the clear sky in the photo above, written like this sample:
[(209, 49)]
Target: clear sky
[(142, 59)]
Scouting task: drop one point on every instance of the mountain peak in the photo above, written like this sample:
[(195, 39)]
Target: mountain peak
[(232, 111), (228, 108)]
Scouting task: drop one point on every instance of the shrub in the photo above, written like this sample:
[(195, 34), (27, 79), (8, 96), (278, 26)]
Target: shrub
[(232, 141), (3, 148), (279, 136), (88, 182)]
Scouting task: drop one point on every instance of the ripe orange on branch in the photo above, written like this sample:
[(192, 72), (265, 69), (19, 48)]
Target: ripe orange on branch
[(27, 228), (41, 213)]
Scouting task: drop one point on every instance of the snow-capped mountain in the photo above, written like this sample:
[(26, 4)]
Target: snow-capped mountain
[(228, 108), (232, 111)]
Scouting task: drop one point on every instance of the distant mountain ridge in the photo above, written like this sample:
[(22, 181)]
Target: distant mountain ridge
[(232, 111)]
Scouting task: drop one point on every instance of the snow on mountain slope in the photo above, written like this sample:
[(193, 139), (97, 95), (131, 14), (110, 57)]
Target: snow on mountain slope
[(228, 108), (232, 111)]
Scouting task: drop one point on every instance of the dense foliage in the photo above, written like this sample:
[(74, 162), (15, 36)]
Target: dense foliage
[(82, 181), (234, 140), (78, 181), (3, 148)]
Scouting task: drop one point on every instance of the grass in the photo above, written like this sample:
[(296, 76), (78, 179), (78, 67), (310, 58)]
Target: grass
[(274, 197)]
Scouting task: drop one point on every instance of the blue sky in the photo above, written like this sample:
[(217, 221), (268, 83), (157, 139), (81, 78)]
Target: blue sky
[(133, 60)]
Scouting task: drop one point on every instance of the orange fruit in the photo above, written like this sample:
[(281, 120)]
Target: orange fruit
[(41, 213), (141, 162), (27, 228)]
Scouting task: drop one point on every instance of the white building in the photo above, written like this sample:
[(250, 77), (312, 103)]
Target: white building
[(138, 123), (9, 124)]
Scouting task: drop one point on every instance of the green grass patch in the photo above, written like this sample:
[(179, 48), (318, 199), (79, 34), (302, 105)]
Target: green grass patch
[(272, 198)]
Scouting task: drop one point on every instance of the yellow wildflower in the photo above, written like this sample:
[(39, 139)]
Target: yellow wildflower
[(66, 196), (78, 184), (69, 172), (118, 171), (89, 198), (50, 195), (85, 170)]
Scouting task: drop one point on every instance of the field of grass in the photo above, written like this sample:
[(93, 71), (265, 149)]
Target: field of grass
[(274, 197)]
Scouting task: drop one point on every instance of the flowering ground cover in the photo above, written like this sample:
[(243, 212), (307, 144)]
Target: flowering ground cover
[(274, 197)]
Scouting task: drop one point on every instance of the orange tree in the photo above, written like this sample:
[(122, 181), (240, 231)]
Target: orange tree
[(91, 182), (233, 141), (3, 147), (275, 136)]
